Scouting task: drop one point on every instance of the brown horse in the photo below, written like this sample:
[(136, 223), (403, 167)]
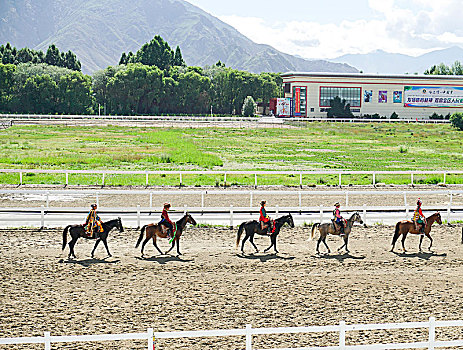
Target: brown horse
[(404, 227), (328, 228), (155, 230)]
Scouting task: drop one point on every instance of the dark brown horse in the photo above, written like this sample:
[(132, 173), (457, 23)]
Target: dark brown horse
[(405, 227), (252, 227), (328, 228), (77, 231), (155, 230)]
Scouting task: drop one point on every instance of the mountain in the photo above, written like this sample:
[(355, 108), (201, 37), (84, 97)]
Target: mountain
[(98, 31), (389, 63)]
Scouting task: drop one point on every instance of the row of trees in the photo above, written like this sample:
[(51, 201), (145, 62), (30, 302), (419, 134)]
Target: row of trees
[(53, 57), (155, 80)]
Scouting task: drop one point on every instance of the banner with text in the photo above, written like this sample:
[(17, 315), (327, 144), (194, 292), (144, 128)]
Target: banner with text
[(433, 96)]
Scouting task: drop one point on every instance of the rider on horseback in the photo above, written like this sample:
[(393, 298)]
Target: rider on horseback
[(265, 221), (418, 218), (338, 219), (93, 225), (166, 222)]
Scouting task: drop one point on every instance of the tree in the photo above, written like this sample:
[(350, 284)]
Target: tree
[(53, 56), (155, 53), (249, 107), (442, 69), (178, 59), (6, 85), (75, 93), (457, 120), (339, 109)]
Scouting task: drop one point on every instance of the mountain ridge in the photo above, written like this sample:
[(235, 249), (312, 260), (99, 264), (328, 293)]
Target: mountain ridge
[(100, 31)]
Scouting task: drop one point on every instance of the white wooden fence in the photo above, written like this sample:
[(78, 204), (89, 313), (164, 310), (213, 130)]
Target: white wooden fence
[(223, 174), (342, 328)]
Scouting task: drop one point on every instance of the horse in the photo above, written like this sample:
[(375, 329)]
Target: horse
[(155, 230), (329, 228), (77, 231), (252, 227), (404, 227)]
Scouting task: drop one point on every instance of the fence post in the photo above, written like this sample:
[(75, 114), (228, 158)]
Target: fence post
[(185, 209), (248, 337), (20, 177), (405, 199), (255, 180), (347, 198), (340, 180), (432, 333), (97, 198), (102, 179), (67, 178), (180, 179), (300, 199), (202, 199), (445, 176), (411, 179), (42, 217), (321, 214), (150, 339), (342, 335), (47, 340), (151, 200), (250, 199), (448, 214), (300, 180), (231, 216), (374, 179), (146, 178), (277, 210), (224, 179), (138, 215), (47, 197)]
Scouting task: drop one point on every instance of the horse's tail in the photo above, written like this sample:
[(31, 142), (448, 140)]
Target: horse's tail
[(240, 231), (141, 236), (396, 233), (312, 234), (65, 236)]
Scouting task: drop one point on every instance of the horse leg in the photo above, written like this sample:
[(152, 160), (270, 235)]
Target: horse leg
[(144, 243), (429, 236), (403, 242), (421, 240), (155, 245), (345, 244), (106, 246), (244, 240), (326, 245), (251, 239), (171, 247), (72, 243), (96, 245), (273, 243)]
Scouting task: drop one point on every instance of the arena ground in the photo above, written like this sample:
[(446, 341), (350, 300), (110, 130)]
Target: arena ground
[(211, 286)]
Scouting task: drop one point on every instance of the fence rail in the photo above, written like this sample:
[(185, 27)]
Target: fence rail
[(342, 328), (181, 173)]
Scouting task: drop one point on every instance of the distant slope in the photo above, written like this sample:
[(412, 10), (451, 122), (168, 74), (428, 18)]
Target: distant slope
[(388, 63), (98, 31)]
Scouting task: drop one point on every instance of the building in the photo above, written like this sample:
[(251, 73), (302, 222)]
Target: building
[(409, 96)]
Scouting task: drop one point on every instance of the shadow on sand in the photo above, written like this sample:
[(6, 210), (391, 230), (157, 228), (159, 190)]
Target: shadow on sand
[(340, 257), (164, 259), (89, 262), (264, 257), (420, 255)]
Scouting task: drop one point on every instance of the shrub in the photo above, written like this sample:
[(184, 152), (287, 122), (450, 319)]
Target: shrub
[(394, 115), (249, 107), (457, 120)]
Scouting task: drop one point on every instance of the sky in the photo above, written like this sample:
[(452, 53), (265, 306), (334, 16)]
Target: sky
[(325, 29)]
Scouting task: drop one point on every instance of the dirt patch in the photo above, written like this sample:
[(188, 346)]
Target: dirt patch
[(211, 286)]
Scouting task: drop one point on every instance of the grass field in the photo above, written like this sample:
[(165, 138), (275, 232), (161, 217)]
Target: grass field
[(319, 146)]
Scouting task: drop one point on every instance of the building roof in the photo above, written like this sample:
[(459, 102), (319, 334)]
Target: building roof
[(371, 76)]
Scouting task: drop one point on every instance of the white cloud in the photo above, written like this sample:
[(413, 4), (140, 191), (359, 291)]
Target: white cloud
[(410, 27)]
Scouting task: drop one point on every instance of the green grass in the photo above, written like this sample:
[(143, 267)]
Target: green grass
[(317, 146)]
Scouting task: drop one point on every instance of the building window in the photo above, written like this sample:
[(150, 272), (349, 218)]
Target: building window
[(312, 110), (351, 95)]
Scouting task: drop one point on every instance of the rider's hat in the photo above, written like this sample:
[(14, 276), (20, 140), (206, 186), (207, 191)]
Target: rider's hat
[(337, 204), (263, 202), (419, 202), (166, 205), (93, 206)]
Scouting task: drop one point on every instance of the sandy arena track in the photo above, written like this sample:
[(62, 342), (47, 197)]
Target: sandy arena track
[(213, 287)]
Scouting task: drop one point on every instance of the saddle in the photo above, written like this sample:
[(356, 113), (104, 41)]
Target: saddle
[(336, 227)]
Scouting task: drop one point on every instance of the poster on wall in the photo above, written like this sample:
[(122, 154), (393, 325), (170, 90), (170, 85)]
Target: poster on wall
[(283, 107), (297, 101), (382, 97), (397, 97), (433, 96), (367, 95)]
